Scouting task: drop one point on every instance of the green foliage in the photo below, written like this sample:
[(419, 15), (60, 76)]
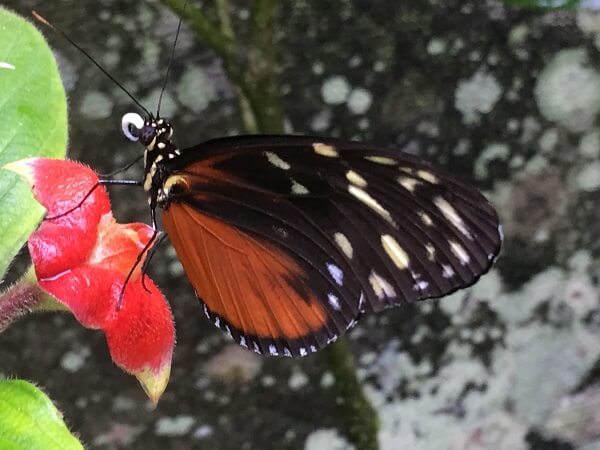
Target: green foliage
[(29, 420), (33, 108)]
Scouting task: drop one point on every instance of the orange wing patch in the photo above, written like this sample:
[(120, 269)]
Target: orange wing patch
[(246, 282)]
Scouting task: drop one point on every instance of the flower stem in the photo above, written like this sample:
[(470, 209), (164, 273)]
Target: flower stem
[(21, 298)]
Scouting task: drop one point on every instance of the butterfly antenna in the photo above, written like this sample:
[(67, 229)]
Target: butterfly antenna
[(88, 56), (170, 61)]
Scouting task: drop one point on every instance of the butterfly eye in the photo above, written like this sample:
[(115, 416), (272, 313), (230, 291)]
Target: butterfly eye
[(132, 124)]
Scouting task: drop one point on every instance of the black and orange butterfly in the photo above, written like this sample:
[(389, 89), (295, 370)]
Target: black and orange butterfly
[(288, 240)]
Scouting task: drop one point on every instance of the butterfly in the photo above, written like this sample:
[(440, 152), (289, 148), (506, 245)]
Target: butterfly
[(288, 240)]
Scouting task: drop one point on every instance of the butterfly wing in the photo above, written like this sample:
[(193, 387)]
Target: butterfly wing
[(288, 239)]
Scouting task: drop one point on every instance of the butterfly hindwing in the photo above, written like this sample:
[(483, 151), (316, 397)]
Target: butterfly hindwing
[(347, 229)]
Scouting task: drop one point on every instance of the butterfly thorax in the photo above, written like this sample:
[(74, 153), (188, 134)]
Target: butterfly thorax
[(156, 135)]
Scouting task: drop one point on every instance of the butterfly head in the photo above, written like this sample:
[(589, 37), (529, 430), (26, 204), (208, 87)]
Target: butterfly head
[(153, 133)]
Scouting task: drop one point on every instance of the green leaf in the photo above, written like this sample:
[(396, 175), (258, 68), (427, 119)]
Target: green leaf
[(29, 420), (33, 109)]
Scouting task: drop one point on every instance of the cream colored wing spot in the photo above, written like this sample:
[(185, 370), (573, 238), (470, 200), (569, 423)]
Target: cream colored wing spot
[(430, 251), (408, 183), (366, 198), (356, 179), (426, 218), (452, 215), (460, 252), (381, 287), (396, 253), (386, 161), (344, 244), (325, 150), (427, 176), (298, 189), (277, 161)]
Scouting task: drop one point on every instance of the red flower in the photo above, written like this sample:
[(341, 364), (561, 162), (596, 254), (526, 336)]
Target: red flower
[(82, 256)]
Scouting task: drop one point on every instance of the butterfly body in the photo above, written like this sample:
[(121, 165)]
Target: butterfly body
[(287, 240)]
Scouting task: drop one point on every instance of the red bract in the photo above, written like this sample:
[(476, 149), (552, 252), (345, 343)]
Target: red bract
[(82, 256)]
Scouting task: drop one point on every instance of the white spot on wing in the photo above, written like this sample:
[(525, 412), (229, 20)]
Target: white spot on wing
[(386, 161), (344, 244), (325, 150), (426, 218), (450, 213), (381, 287), (448, 272), (397, 254), (298, 188), (460, 252), (336, 273), (356, 179), (366, 198), (430, 251), (277, 161), (427, 176), (334, 301), (408, 183)]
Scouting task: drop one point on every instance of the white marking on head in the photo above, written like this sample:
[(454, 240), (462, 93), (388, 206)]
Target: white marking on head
[(426, 218), (430, 251), (273, 350), (356, 179), (408, 183), (450, 213), (277, 161), (460, 252), (5, 65), (386, 161), (381, 287), (325, 150), (334, 301), (344, 244), (131, 120), (336, 273), (302, 351), (366, 198), (396, 253), (448, 272), (298, 189), (427, 176)]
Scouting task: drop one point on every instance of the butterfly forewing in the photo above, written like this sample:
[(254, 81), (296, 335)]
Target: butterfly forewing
[(287, 240)]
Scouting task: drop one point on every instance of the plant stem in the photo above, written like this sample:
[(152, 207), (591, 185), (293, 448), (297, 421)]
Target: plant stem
[(253, 77), (22, 298)]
